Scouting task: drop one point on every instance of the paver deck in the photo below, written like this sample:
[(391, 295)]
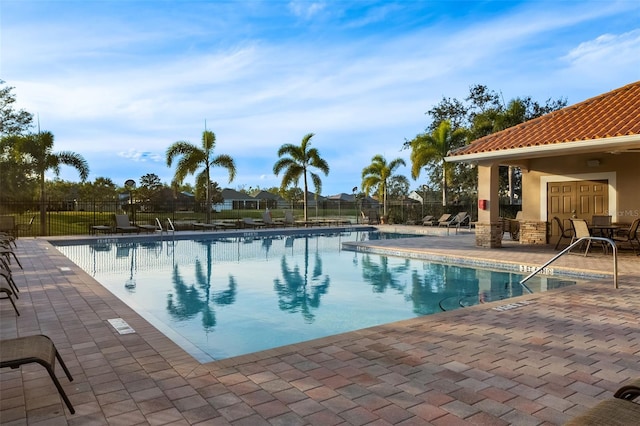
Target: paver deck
[(548, 357)]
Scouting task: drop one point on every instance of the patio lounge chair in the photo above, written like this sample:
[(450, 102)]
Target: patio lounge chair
[(250, 223), (427, 220), (7, 295), (442, 219), (25, 227), (564, 233), (619, 410), (147, 227), (630, 236), (205, 226), (452, 220), (5, 251), (269, 222), (37, 348), (8, 225), (5, 272), (289, 220), (123, 224)]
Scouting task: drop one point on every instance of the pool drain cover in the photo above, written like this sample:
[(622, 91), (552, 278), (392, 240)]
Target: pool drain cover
[(121, 326)]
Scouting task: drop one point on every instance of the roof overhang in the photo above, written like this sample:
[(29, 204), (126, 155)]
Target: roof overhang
[(614, 145)]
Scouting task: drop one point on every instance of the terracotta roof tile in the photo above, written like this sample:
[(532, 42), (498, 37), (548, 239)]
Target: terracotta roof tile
[(615, 113)]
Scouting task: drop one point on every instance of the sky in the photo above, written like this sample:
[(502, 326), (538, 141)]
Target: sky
[(120, 81)]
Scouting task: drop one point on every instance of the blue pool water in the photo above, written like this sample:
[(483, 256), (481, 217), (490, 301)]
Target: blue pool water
[(222, 297)]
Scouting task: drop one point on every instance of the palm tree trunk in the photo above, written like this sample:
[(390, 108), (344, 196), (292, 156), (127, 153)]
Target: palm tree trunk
[(444, 184), (208, 196), (384, 200), (304, 196)]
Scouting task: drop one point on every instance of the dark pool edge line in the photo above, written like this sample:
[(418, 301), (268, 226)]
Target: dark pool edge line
[(190, 235)]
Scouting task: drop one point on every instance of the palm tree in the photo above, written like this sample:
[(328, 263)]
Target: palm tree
[(297, 164), (377, 175), (433, 148), (38, 149), (194, 157)]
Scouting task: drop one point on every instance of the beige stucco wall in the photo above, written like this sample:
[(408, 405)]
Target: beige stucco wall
[(622, 171)]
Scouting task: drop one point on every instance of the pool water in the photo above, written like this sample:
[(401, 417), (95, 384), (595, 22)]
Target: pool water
[(222, 297)]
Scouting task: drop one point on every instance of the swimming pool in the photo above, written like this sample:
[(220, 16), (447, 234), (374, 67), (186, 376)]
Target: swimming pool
[(222, 297)]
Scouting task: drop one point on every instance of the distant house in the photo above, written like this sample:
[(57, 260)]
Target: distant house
[(270, 200), (235, 200), (342, 197)]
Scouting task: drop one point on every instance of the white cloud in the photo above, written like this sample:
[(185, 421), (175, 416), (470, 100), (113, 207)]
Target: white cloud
[(261, 78), (306, 9), (140, 156), (607, 49)]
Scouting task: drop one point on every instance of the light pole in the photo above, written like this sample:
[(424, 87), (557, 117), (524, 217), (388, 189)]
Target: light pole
[(355, 203), (130, 184)]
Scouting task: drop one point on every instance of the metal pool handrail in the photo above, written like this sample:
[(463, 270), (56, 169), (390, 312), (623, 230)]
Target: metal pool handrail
[(171, 226), (553, 259)]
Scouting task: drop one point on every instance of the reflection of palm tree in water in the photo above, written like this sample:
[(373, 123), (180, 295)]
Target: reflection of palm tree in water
[(381, 276), (294, 292), (190, 301)]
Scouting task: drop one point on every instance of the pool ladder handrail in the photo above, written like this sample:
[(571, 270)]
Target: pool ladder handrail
[(572, 245), (173, 229), (159, 224)]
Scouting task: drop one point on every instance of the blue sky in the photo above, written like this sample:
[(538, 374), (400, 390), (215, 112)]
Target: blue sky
[(119, 81)]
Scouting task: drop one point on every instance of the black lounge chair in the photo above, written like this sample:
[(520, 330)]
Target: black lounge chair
[(6, 251), (38, 348), (123, 224), (8, 293)]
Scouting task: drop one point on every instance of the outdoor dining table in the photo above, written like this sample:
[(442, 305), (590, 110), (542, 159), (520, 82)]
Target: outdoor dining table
[(606, 231)]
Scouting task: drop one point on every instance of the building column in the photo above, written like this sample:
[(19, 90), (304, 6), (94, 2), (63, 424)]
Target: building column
[(489, 226)]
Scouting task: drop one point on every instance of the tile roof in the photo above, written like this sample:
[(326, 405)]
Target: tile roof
[(615, 113)]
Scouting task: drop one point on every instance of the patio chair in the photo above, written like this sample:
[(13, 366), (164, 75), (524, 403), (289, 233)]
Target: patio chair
[(8, 225), (289, 219), (374, 218), (147, 227), (564, 233), (25, 227), (619, 410), (452, 220), (36, 348), (7, 295), (268, 221), (5, 272), (427, 220), (630, 236), (249, 222), (444, 219), (7, 238), (205, 226), (580, 230), (5, 251), (123, 224)]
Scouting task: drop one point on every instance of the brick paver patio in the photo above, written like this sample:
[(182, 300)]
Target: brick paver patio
[(547, 358)]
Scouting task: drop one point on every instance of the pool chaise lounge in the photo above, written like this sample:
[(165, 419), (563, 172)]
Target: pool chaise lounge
[(619, 410), (39, 349), (123, 224)]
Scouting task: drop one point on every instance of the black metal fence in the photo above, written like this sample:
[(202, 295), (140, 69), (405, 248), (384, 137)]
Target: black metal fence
[(76, 217)]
